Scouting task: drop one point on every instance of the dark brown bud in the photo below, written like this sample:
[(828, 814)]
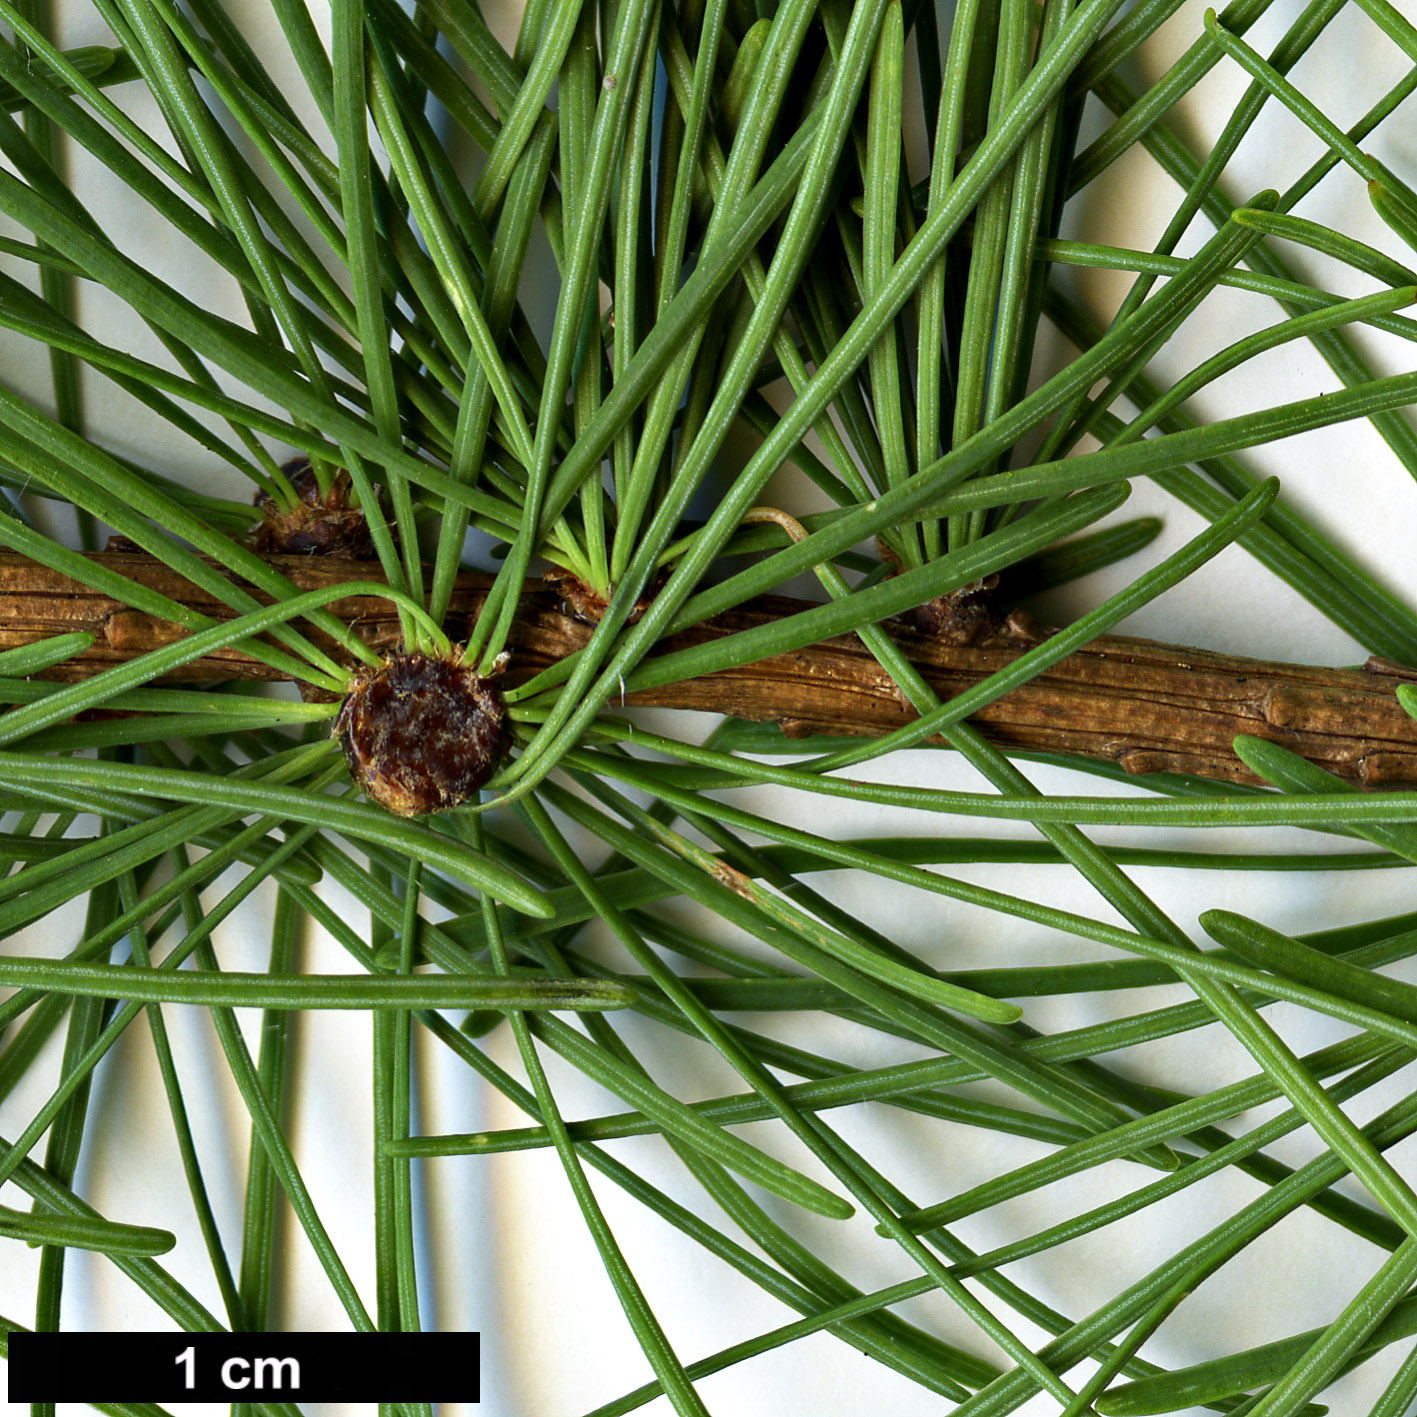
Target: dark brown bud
[(318, 525), (959, 617), (589, 605), (422, 733)]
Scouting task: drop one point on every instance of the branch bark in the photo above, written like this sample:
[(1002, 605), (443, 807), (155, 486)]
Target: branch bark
[(1148, 706)]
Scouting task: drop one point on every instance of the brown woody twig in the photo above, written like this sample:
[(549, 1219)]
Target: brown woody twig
[(1150, 707)]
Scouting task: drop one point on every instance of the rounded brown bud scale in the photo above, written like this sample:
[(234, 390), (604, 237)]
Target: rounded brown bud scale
[(422, 733), (318, 525)]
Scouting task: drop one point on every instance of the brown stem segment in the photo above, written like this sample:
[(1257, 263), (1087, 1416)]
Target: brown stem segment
[(1150, 707)]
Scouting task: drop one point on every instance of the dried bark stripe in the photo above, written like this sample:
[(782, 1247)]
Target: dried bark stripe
[(1148, 706)]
